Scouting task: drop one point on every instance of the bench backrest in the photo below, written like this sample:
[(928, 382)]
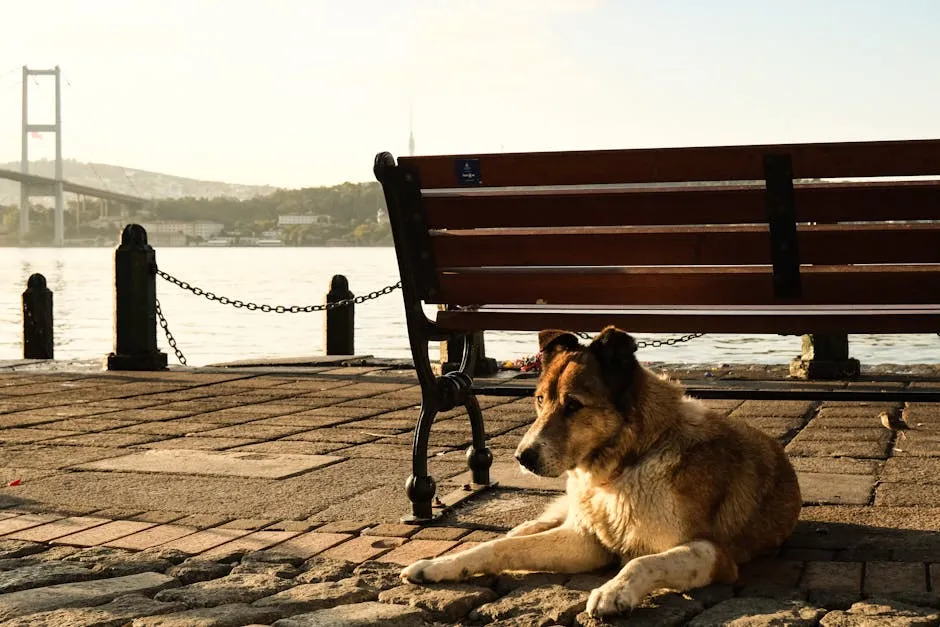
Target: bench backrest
[(808, 224)]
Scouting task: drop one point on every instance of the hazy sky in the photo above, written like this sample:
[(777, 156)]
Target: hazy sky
[(303, 93)]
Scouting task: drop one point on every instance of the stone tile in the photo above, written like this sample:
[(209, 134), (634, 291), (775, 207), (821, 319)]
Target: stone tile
[(204, 540), (249, 524), (202, 521), (252, 432), (447, 603), (294, 447), (344, 526), (415, 550), (387, 451), (770, 577), (837, 465), (509, 475), (154, 536), (368, 614), (257, 541), (397, 530), (25, 521), (198, 444), (41, 574), (300, 526), (836, 488), (787, 409), (897, 580), (57, 529), (158, 517), (317, 596), (309, 544), (911, 470), (120, 611), (334, 434), (116, 440), (881, 612), (229, 464), (908, 494), (482, 536), (833, 585), (28, 436), (556, 603), (194, 569), (228, 589), (440, 533), (363, 548), (220, 616), (103, 534), (85, 593), (54, 457), (836, 448), (759, 611), (919, 444), (168, 428), (88, 424)]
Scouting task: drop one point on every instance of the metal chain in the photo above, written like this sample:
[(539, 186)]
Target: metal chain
[(657, 343), (169, 336), (238, 304)]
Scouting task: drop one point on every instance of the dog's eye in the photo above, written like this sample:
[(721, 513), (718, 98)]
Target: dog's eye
[(572, 405), (538, 400)]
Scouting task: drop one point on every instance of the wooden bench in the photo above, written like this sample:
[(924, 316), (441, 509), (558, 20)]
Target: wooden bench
[(776, 239)]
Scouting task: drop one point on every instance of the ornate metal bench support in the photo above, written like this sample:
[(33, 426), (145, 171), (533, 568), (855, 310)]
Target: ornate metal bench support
[(438, 393)]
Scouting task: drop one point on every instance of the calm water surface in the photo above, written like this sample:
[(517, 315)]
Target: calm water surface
[(207, 332)]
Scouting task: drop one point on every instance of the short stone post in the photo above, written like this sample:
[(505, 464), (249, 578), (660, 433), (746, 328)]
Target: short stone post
[(825, 356), (135, 303), (340, 322), (452, 354), (37, 319)]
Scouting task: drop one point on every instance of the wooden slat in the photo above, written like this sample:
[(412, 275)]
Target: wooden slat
[(827, 202), (837, 285), (686, 321), (711, 163), (685, 245)]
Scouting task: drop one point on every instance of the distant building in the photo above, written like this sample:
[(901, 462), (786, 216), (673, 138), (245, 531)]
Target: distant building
[(381, 217), (291, 219), (206, 229)]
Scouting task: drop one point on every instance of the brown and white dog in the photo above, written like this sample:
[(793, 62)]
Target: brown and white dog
[(679, 494)]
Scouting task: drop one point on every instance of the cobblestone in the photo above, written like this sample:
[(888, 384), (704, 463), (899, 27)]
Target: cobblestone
[(753, 612), (228, 589), (442, 602), (369, 614), (556, 603), (117, 613), (317, 596), (883, 614)]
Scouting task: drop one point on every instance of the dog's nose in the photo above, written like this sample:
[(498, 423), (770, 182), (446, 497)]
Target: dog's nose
[(529, 458)]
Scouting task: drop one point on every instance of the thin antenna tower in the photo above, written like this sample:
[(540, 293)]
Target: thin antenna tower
[(25, 190), (411, 131)]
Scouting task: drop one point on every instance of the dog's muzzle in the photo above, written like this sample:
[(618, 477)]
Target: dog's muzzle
[(529, 458)]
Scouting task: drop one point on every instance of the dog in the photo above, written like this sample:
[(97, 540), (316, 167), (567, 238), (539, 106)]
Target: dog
[(679, 494)]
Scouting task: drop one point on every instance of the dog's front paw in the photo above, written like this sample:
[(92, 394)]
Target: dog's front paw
[(613, 597), (429, 571)]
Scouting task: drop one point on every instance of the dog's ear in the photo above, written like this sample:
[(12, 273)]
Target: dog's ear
[(615, 351), (550, 339)]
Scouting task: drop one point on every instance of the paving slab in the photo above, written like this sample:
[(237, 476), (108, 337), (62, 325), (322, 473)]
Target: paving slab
[(85, 593), (228, 464), (836, 488)]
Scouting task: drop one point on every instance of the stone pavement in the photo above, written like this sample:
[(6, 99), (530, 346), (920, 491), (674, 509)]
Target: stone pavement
[(250, 496)]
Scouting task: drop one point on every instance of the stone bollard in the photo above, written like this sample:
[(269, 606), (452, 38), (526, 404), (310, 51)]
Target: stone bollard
[(825, 356), (37, 319), (135, 302), (452, 354), (339, 323)]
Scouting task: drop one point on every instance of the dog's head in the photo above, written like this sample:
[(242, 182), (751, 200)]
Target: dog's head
[(583, 401)]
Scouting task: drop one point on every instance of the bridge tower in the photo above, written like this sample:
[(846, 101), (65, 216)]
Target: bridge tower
[(57, 188)]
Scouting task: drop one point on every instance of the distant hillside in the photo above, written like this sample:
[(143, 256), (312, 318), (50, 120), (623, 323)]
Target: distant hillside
[(136, 182)]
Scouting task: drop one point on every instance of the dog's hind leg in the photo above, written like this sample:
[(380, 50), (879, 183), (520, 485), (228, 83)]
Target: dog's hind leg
[(561, 550), (690, 565)]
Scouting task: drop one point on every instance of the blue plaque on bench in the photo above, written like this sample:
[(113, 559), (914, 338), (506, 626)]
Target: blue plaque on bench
[(468, 171)]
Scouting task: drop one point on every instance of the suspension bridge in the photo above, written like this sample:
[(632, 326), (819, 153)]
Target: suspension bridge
[(32, 185)]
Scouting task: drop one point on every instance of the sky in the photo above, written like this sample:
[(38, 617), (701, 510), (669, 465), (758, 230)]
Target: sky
[(304, 93)]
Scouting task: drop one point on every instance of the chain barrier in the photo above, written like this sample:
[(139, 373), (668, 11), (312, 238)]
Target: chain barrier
[(169, 336), (239, 304), (657, 343)]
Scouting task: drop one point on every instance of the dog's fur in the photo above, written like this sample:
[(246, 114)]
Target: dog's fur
[(678, 493)]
